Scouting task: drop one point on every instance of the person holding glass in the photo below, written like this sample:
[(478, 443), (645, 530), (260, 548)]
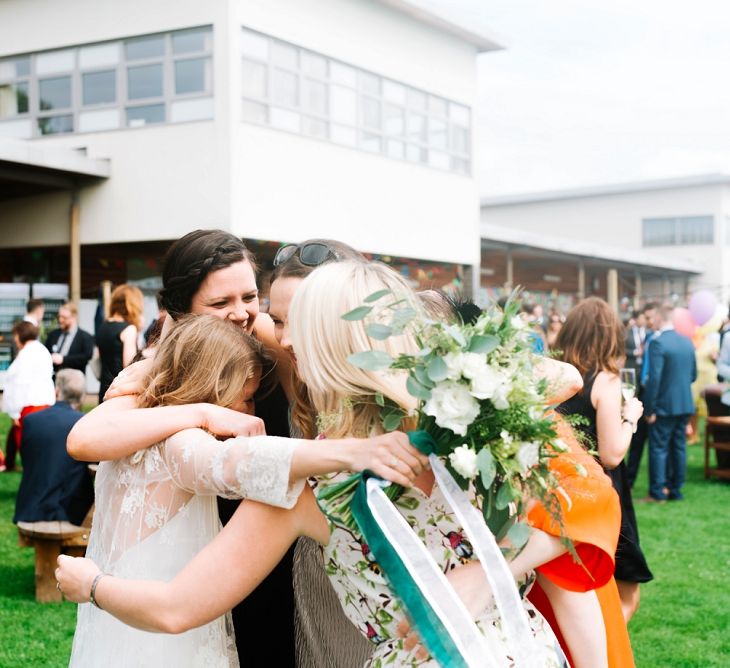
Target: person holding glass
[(592, 340)]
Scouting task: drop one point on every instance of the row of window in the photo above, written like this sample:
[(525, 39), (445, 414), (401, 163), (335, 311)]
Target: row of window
[(150, 79), (168, 78), (297, 90), (679, 231)]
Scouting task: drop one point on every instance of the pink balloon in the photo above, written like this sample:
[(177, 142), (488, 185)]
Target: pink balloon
[(683, 322), (702, 305)]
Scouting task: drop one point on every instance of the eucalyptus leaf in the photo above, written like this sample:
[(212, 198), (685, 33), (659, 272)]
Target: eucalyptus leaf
[(495, 519), (357, 313), (391, 421), (504, 496), (378, 331), (437, 369), (379, 399), (506, 526), (419, 371), (518, 534), (371, 360), (487, 467), (483, 344), (376, 295), (417, 390)]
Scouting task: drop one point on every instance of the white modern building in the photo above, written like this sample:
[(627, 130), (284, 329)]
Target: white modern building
[(125, 125), (665, 238)]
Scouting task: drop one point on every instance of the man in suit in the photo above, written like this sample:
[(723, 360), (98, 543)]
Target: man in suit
[(636, 449), (54, 486), (634, 342), (668, 404), (70, 347)]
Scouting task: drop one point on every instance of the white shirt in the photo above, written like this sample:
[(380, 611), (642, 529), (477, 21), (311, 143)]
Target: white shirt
[(29, 380), (30, 319)]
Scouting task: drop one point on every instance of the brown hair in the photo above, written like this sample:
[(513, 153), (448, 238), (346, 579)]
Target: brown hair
[(25, 331), (204, 359), (592, 337), (190, 259), (127, 301)]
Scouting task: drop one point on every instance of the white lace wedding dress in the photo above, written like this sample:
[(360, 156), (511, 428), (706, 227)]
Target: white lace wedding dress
[(154, 512)]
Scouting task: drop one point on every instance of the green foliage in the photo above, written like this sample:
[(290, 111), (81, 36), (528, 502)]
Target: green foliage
[(371, 360)]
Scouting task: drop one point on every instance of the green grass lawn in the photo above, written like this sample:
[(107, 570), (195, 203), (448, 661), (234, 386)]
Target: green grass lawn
[(683, 621)]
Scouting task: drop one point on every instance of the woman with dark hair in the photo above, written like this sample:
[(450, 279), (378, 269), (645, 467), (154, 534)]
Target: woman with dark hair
[(117, 336), (592, 340)]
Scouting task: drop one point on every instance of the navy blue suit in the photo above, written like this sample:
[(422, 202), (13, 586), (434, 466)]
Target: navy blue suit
[(668, 395), (54, 486)]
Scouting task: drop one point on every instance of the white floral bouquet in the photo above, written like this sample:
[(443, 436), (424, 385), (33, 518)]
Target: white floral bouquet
[(481, 408)]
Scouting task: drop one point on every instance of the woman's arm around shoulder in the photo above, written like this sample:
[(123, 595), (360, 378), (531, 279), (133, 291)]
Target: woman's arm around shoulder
[(117, 428), (563, 379), (220, 576)]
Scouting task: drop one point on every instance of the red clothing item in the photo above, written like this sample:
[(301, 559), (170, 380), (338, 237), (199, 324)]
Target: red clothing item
[(27, 410), (592, 520)]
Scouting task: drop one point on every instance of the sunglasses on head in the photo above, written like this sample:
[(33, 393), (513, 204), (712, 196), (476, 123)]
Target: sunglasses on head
[(311, 254)]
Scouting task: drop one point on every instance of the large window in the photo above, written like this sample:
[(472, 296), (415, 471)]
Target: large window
[(164, 78), (297, 90), (681, 231)]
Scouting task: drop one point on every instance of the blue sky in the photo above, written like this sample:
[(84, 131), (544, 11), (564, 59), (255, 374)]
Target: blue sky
[(591, 92)]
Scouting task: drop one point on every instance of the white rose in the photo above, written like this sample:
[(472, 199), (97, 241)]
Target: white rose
[(473, 365), (485, 384), (455, 364), (528, 454), (453, 407), (518, 322), (464, 461)]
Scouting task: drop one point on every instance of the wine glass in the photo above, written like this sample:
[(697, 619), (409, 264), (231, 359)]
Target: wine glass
[(628, 384)]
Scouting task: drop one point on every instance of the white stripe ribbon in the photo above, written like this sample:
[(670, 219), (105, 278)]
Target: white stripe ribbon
[(521, 642), (430, 580)]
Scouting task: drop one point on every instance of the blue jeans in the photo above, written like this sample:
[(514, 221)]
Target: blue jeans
[(667, 456)]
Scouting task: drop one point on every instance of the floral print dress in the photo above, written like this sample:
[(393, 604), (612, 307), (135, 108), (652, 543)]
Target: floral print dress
[(371, 605)]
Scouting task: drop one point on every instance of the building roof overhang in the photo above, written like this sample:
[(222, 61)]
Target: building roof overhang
[(32, 167), (463, 20), (694, 181), (508, 238)]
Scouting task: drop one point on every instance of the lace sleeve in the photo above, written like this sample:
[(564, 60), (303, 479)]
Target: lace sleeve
[(254, 468)]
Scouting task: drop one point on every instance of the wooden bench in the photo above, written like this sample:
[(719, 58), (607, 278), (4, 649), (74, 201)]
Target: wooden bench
[(49, 540)]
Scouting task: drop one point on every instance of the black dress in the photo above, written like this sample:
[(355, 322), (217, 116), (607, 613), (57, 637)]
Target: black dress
[(110, 352), (271, 604), (631, 564)]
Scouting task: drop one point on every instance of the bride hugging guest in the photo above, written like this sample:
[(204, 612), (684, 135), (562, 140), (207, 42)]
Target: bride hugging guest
[(592, 340), (212, 272), (214, 580), (156, 509)]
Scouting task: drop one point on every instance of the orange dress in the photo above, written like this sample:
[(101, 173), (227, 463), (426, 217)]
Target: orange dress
[(591, 519)]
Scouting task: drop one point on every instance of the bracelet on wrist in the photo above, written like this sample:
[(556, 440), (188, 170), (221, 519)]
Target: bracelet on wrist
[(630, 422), (92, 593)]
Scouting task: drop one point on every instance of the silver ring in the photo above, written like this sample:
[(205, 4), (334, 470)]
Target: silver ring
[(393, 462)]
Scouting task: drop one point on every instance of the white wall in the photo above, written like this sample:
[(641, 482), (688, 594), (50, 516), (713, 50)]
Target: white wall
[(290, 188)]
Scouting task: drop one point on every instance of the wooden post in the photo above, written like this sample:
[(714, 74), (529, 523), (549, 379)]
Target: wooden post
[(106, 296), (509, 283), (638, 289), (75, 248), (581, 280), (612, 289)]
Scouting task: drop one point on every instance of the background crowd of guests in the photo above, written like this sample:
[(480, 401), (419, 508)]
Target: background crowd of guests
[(670, 371)]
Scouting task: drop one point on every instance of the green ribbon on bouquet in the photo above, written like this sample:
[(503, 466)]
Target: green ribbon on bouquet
[(438, 615)]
